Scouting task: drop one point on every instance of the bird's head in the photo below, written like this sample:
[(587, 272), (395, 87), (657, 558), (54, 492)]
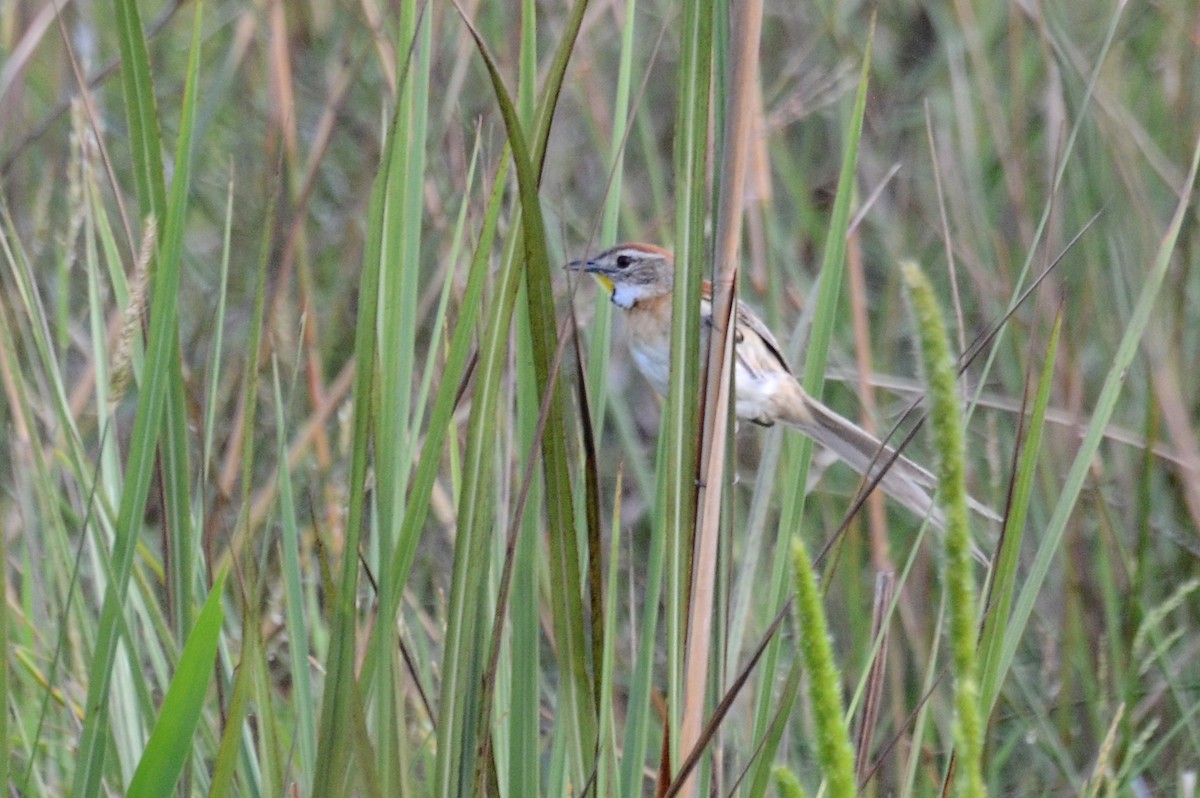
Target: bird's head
[(632, 272)]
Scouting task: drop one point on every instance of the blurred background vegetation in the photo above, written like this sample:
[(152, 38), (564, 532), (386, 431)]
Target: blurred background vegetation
[(314, 161)]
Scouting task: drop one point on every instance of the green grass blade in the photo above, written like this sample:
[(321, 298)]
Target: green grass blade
[(399, 270), (140, 112), (675, 507), (172, 739), (1004, 575), (608, 770), (452, 372), (514, 705), (640, 715), (214, 371), (833, 262), (305, 730)]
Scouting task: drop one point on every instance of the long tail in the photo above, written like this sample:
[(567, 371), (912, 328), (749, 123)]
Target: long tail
[(903, 480)]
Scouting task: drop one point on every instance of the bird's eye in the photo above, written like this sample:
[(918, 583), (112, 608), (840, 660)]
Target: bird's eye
[(623, 261)]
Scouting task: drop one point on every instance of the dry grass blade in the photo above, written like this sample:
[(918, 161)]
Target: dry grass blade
[(718, 378), (723, 706), (885, 589)]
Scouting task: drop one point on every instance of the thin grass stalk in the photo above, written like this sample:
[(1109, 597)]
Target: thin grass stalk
[(875, 508), (929, 682), (640, 714), (96, 225), (305, 728), (233, 742), (760, 777), (607, 771), (182, 551), (242, 555), (6, 367), (522, 718), (524, 636), (946, 419), (657, 171), (676, 505), (437, 352), (752, 534), (875, 675), (719, 373), (137, 86), (214, 366), (878, 652)]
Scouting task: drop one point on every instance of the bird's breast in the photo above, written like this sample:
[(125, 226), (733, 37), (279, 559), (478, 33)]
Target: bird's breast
[(655, 364), (648, 330)]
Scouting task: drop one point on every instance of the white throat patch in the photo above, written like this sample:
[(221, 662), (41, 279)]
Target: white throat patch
[(625, 295)]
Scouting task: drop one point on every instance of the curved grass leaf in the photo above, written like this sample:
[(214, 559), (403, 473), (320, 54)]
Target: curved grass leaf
[(567, 607), (172, 739)]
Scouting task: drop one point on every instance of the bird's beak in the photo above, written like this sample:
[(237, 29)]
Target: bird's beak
[(593, 268)]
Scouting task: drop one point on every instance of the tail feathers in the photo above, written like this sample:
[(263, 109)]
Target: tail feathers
[(902, 479)]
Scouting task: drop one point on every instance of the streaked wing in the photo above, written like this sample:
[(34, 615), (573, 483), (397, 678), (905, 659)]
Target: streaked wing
[(750, 353), (747, 319)]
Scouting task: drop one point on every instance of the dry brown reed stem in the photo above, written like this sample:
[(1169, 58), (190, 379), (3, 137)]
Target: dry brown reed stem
[(740, 125)]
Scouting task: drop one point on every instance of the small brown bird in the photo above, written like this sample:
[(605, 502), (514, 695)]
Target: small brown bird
[(641, 278)]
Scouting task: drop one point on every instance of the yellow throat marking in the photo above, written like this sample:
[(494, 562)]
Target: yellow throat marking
[(607, 283)]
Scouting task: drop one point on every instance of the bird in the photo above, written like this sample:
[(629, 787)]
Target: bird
[(640, 279)]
